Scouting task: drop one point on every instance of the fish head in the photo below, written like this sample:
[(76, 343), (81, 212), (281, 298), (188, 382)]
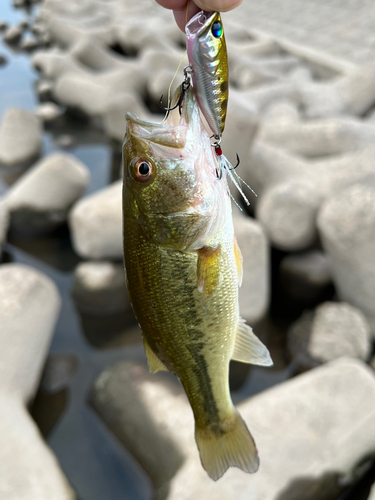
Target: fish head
[(170, 182)]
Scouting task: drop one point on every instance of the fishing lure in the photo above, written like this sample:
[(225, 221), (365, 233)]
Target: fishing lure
[(208, 59), (207, 54), (208, 71)]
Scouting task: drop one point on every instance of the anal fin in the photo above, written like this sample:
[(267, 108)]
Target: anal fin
[(154, 363), (248, 348)]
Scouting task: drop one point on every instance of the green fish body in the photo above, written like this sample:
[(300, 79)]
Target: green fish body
[(183, 270)]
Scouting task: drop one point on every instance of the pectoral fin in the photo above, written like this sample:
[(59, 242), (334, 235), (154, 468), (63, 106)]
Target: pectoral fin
[(154, 362), (239, 260), (248, 348), (208, 269)]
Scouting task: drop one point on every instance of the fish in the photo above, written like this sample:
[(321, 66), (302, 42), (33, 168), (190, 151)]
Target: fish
[(183, 268), (207, 54)]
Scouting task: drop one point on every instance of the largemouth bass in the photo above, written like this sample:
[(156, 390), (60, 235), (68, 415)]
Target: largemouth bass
[(207, 53), (183, 269)]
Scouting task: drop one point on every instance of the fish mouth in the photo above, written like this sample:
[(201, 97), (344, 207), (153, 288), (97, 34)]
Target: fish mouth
[(200, 22), (170, 133)]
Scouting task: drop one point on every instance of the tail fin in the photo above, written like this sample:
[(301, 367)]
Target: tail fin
[(227, 444)]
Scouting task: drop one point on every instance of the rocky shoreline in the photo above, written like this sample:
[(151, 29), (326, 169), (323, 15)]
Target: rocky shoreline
[(303, 126)]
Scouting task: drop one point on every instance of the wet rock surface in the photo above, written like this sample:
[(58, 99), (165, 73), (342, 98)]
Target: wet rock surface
[(254, 291), (96, 226), (99, 288), (333, 330), (48, 111), (29, 306), (20, 138), (347, 224), (306, 275), (271, 415), (42, 197), (4, 222)]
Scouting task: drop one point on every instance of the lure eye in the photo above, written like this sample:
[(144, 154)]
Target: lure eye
[(217, 29), (142, 170)]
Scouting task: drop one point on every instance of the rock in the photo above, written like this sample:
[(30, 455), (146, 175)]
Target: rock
[(99, 288), (138, 430), (93, 93), (12, 35), (247, 71), (254, 292), (347, 227), (372, 494), (20, 138), (351, 94), (316, 138), (30, 470), (334, 330), (268, 94), (159, 84), (114, 115), (58, 371), (291, 190), (17, 4), (30, 305), (155, 58), (46, 39), (30, 43), (65, 141), (4, 222), (322, 424), (3, 26), (48, 111), (96, 224), (44, 89), (38, 28), (41, 198), (240, 129), (305, 276), (3, 60), (268, 166), (24, 25), (288, 212)]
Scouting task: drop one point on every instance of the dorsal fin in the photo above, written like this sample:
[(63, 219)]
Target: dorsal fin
[(248, 348)]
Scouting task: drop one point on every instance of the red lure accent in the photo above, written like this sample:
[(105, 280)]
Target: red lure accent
[(218, 150)]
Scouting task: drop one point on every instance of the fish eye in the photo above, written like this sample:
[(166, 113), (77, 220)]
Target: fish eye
[(217, 29), (142, 170)]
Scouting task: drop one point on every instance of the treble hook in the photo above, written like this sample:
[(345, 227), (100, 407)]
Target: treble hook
[(184, 87), (238, 162)]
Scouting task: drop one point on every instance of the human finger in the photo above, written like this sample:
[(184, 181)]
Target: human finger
[(217, 5), (181, 17), (172, 4)]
